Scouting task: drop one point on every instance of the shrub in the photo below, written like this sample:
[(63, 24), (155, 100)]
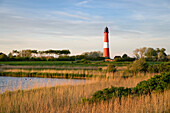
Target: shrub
[(124, 59), (111, 68), (158, 68), (138, 66), (83, 61), (3, 57), (158, 83)]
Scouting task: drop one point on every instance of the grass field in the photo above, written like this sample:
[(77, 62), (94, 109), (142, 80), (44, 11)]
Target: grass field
[(62, 63), (67, 63), (49, 68)]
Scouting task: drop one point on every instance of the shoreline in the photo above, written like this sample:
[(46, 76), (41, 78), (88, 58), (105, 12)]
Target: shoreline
[(58, 77), (47, 75)]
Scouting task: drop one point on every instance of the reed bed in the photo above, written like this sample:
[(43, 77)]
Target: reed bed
[(67, 99), (75, 73), (47, 75), (154, 103), (70, 67), (85, 72)]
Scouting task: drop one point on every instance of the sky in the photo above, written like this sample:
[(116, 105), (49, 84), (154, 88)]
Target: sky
[(78, 25)]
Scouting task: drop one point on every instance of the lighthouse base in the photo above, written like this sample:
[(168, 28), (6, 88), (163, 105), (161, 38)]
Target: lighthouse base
[(108, 60)]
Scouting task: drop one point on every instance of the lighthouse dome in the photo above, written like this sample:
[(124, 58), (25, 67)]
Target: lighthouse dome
[(106, 30)]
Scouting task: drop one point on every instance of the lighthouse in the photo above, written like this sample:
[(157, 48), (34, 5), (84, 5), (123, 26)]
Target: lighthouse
[(106, 44)]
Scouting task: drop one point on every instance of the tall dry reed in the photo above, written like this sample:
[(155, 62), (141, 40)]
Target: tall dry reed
[(97, 73)]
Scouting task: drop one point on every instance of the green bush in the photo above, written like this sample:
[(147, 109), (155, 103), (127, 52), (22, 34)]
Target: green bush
[(138, 66), (124, 59), (158, 68), (158, 83), (83, 61), (3, 57)]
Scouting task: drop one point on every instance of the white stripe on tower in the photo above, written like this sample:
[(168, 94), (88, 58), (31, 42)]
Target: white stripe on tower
[(106, 45)]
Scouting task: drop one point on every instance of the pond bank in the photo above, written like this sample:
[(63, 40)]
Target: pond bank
[(49, 75)]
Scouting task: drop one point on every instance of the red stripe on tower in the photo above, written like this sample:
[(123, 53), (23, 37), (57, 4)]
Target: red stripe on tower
[(106, 44)]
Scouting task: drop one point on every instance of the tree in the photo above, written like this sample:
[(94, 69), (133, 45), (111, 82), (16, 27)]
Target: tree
[(65, 52), (25, 53), (125, 56), (136, 53), (15, 53), (162, 55), (163, 50), (116, 57), (3, 57), (93, 54), (142, 51), (34, 51), (58, 52), (150, 53), (10, 55), (157, 50), (168, 57)]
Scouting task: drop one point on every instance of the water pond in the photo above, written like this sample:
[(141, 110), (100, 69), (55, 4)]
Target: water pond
[(15, 83)]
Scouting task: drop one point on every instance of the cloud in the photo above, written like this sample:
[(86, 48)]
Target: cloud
[(130, 27), (71, 15), (138, 16), (82, 3), (158, 39)]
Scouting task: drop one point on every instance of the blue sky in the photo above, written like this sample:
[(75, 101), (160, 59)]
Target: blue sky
[(78, 25)]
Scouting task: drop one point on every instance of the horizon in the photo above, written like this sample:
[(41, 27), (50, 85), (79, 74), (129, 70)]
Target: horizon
[(78, 25)]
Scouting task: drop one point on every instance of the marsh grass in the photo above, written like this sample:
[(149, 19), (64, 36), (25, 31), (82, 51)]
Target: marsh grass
[(73, 73), (154, 103), (67, 98)]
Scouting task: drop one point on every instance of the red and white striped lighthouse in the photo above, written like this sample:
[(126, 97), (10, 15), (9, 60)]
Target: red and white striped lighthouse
[(106, 44)]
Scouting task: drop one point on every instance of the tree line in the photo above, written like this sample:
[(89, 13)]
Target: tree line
[(150, 54), (30, 53), (48, 55), (33, 55)]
